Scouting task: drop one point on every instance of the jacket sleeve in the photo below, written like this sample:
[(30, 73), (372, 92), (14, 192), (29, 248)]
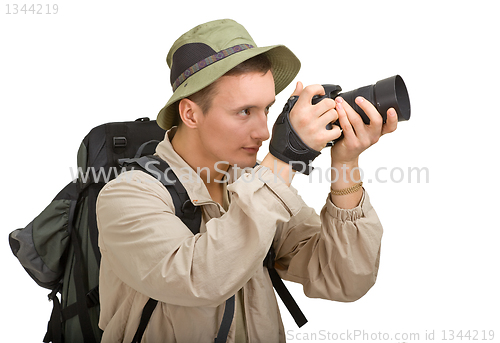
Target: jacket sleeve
[(153, 252), (334, 255)]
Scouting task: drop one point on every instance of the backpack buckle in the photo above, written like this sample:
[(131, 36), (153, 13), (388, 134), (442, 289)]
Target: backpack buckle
[(119, 142), (188, 209)]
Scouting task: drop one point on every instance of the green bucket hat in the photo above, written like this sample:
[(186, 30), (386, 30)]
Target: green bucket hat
[(208, 51)]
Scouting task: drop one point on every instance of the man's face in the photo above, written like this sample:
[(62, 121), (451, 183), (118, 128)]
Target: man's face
[(235, 126)]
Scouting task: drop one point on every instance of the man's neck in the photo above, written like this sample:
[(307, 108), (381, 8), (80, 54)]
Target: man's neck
[(190, 150)]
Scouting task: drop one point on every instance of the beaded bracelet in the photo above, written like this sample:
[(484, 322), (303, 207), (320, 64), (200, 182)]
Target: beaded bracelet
[(349, 190)]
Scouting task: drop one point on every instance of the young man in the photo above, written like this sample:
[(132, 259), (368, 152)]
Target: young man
[(223, 88)]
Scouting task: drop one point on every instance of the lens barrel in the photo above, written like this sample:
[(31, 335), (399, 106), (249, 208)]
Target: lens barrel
[(386, 93)]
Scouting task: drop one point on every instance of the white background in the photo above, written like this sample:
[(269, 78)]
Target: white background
[(104, 61)]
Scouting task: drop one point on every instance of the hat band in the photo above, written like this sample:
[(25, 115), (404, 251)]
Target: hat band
[(208, 61)]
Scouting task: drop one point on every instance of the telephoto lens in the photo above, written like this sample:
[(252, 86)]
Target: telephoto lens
[(384, 94)]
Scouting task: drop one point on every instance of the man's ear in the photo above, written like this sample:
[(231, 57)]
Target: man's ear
[(189, 113)]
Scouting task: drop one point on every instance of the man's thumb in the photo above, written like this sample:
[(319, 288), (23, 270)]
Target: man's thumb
[(298, 89)]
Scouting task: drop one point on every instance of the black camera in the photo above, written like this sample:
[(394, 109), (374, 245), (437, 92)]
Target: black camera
[(286, 144), (386, 93)]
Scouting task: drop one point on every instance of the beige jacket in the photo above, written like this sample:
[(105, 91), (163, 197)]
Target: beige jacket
[(148, 252)]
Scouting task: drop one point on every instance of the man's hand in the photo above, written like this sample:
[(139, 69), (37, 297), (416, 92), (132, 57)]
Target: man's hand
[(357, 135), (310, 121)]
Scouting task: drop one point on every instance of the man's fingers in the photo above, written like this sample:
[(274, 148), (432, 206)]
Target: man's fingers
[(370, 111), (346, 126), (354, 118), (392, 121)]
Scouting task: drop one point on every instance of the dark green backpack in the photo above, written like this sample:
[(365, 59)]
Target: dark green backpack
[(59, 247)]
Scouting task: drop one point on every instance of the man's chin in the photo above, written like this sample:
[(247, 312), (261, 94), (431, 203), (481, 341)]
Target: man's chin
[(245, 163)]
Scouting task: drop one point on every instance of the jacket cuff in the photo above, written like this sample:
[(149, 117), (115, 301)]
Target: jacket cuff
[(351, 214)]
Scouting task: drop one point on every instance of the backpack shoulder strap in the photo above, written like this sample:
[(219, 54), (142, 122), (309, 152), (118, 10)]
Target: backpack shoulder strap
[(283, 292), (160, 169)]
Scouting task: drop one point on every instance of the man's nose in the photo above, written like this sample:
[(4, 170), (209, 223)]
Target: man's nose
[(261, 131)]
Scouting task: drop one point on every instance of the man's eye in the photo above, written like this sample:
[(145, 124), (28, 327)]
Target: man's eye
[(244, 112)]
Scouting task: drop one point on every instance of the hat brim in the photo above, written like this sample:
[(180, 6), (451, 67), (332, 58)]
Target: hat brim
[(285, 66)]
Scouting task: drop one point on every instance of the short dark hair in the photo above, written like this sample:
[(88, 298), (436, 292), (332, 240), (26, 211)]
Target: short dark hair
[(259, 64)]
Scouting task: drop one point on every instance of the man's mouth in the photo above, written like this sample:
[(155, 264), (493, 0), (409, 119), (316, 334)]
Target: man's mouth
[(252, 149)]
